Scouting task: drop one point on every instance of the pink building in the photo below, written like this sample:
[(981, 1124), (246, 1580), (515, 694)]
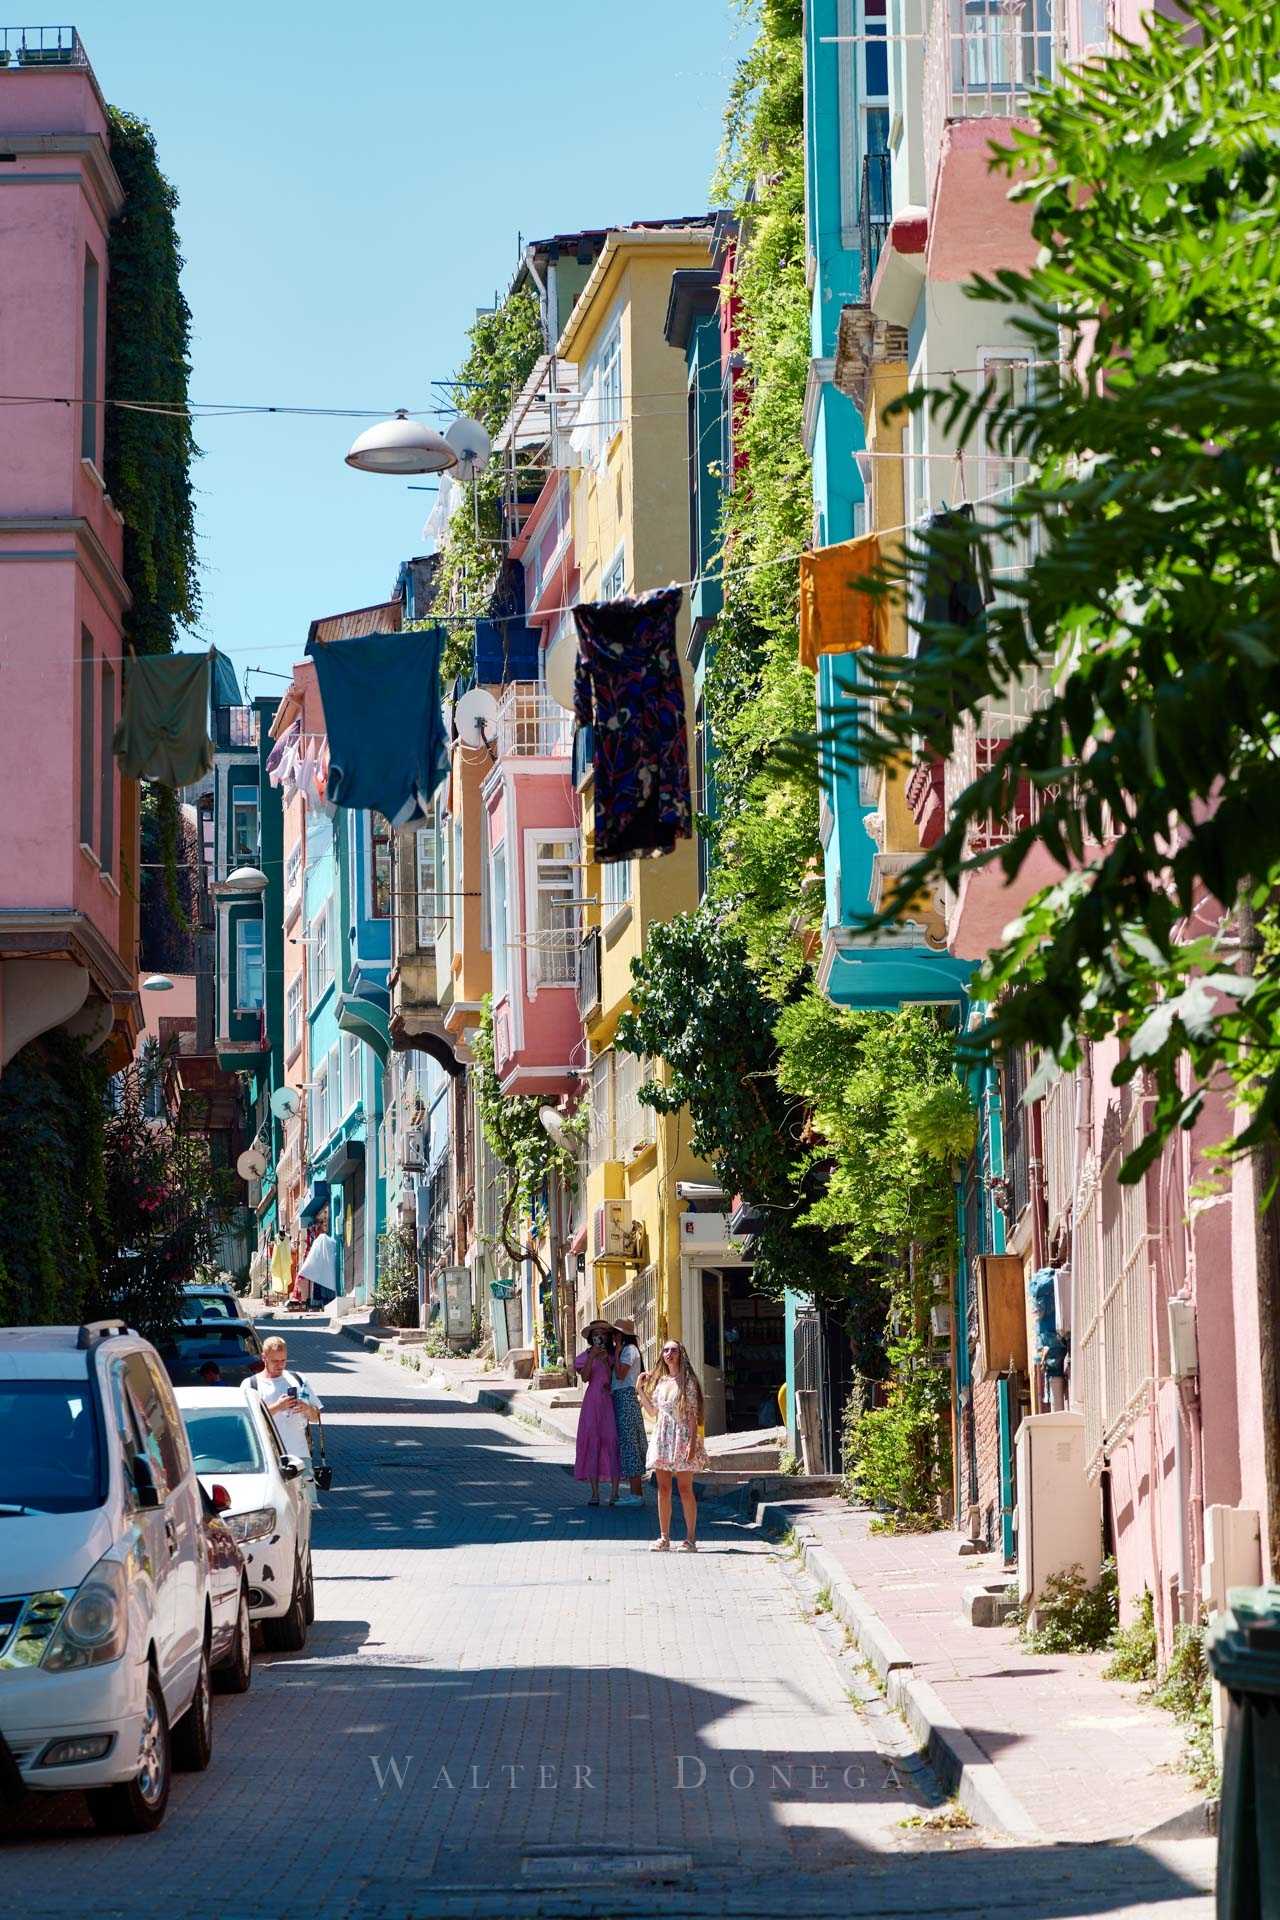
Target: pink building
[(68, 913)]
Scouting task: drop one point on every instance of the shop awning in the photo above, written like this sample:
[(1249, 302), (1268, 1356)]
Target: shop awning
[(317, 1198), (367, 1022), (345, 1158)]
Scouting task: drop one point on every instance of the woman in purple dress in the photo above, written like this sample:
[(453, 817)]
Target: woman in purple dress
[(597, 1451)]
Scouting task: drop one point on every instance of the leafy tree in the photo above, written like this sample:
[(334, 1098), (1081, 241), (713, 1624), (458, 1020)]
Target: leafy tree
[(1149, 608)]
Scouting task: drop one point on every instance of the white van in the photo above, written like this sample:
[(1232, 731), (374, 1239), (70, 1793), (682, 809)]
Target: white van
[(105, 1625)]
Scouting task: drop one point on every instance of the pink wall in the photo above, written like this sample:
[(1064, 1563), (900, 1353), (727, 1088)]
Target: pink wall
[(542, 1028)]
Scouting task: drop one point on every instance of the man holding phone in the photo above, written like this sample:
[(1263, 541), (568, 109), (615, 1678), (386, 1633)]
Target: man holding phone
[(291, 1404)]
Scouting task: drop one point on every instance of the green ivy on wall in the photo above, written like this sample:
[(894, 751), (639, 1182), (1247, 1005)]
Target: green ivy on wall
[(504, 349), (148, 456), (53, 1215), (515, 1135)]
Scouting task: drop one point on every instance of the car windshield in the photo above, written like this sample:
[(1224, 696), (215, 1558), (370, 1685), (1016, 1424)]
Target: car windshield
[(207, 1306), (223, 1440), (220, 1342), (51, 1457)]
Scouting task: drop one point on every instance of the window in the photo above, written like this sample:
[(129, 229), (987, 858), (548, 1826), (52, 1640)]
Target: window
[(333, 1076), (613, 585), (319, 1107), (600, 1129), (321, 964), (350, 1072), (249, 966), (615, 887), (499, 896), (89, 411), (107, 772), (379, 867), (553, 888), (610, 376), (875, 60), (244, 823), (633, 1121), (486, 887), (695, 466), (424, 842), (292, 873), (87, 741), (293, 1018)]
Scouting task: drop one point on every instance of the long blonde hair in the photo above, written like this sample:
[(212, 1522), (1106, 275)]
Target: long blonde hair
[(685, 1378)]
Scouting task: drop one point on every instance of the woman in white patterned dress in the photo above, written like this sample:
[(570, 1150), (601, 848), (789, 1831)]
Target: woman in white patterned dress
[(672, 1393)]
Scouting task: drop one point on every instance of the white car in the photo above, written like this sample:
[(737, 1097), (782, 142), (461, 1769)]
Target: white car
[(106, 1631), (259, 1492)]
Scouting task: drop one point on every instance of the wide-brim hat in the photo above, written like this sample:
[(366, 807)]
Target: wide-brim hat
[(627, 1327), (602, 1326)]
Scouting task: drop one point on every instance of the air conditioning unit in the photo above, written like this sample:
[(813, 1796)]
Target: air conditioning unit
[(413, 1151), (1059, 1511), (612, 1230)]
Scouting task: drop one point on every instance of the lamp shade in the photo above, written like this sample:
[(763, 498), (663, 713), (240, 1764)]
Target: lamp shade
[(157, 983), (401, 445), (245, 880)]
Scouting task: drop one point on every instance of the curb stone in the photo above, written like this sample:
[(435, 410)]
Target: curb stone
[(955, 1756)]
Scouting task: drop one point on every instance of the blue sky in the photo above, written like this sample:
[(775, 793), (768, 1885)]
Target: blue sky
[(352, 185)]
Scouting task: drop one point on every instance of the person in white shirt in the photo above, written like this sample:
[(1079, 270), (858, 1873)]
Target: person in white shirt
[(291, 1404), (628, 1365)]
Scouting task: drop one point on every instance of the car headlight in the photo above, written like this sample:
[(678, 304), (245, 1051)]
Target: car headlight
[(94, 1627), (253, 1526)]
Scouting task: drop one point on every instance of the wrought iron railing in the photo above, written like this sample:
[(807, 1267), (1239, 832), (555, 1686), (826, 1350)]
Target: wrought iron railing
[(984, 59), (875, 215), (588, 974), (41, 47), (637, 1300), (532, 724)]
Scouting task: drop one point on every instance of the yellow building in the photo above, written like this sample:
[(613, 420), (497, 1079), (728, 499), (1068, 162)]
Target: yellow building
[(630, 518)]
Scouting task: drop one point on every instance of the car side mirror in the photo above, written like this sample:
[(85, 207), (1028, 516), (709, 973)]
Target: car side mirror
[(289, 1467), (144, 1482), (221, 1498)]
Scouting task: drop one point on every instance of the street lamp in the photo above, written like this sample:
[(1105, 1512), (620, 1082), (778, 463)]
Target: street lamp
[(401, 445), (245, 880), (157, 983)]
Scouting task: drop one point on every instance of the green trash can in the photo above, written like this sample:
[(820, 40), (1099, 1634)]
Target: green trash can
[(1243, 1651)]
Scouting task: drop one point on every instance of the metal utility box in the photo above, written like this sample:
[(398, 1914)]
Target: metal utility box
[(1059, 1513)]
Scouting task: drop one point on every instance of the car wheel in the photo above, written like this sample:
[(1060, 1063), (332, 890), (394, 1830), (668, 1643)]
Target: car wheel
[(309, 1593), (193, 1735), (288, 1634), (138, 1805), (235, 1673)]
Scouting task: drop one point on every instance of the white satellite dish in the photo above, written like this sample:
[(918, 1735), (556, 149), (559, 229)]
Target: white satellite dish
[(284, 1103), (476, 718), (471, 446), (252, 1164), (559, 666)]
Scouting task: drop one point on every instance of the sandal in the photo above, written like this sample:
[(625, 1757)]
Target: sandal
[(593, 1503), (660, 1546), (688, 1546)]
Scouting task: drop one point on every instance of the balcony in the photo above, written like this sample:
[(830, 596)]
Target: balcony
[(235, 727), (983, 61), (531, 725), (40, 47), (875, 215), (588, 974)]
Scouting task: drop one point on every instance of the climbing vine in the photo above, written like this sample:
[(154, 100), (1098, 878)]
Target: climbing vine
[(515, 1135), (147, 457), (505, 345), (53, 1220)]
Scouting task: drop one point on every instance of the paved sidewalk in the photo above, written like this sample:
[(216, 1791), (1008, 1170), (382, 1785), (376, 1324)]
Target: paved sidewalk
[(1038, 1744)]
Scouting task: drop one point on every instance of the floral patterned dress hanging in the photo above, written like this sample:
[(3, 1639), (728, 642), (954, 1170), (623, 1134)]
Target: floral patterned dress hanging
[(628, 690)]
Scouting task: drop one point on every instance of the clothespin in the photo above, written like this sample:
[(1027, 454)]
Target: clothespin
[(960, 475)]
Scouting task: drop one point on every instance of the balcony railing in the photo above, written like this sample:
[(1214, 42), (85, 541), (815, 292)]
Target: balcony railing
[(532, 724), (235, 726), (637, 1300), (875, 215), (41, 47), (978, 744), (983, 61), (588, 977)]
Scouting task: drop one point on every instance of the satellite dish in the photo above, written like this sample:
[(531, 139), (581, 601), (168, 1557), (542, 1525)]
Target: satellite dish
[(471, 446), (252, 1164), (284, 1103), (559, 665), (554, 1125), (476, 718)]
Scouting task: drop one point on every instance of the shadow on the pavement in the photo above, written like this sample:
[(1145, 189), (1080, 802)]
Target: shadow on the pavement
[(419, 1781)]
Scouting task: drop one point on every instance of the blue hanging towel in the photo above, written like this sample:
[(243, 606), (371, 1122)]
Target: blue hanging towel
[(381, 697)]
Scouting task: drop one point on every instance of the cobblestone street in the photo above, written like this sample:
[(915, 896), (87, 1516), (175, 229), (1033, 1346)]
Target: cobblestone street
[(508, 1705)]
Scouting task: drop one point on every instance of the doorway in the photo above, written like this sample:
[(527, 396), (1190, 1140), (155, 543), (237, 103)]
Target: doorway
[(743, 1352)]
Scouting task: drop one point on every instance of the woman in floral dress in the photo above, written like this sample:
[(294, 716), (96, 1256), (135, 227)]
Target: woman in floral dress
[(672, 1393)]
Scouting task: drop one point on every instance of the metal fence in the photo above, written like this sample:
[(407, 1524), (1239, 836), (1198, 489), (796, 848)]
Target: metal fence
[(41, 47), (531, 723), (637, 1299)]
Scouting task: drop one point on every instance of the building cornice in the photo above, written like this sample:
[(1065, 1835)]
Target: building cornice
[(65, 932), (89, 147), (678, 241), (88, 548)]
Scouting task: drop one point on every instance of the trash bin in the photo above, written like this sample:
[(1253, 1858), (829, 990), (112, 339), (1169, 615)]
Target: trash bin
[(1243, 1651)]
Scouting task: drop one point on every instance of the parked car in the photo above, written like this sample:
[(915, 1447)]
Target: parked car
[(239, 1453), (231, 1628), (210, 1302), (233, 1346), (105, 1624)]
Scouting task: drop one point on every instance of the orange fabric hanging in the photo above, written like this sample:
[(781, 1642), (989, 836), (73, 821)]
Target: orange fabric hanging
[(836, 615)]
